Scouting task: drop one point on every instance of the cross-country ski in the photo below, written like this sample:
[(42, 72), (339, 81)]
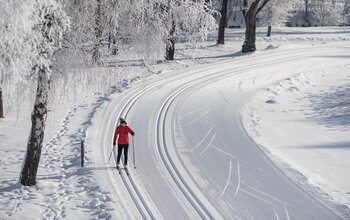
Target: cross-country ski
[(123, 168)]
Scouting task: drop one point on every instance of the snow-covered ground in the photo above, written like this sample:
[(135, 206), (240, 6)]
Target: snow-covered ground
[(303, 120), (194, 156)]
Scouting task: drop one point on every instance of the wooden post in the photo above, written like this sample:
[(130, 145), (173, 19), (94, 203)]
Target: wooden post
[(82, 153)]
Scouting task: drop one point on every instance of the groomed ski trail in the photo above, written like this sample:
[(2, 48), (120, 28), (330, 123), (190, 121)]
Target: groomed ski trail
[(165, 163)]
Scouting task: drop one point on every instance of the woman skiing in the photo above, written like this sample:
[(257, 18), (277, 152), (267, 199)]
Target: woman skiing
[(122, 132)]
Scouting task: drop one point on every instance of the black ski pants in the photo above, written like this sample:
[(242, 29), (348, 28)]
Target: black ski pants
[(122, 147)]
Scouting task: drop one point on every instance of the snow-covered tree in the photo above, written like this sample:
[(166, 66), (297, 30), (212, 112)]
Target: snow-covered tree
[(318, 13), (328, 12), (235, 17), (15, 51), (187, 18), (97, 32), (347, 11), (30, 33), (275, 13), (50, 21), (82, 41), (104, 27), (251, 9)]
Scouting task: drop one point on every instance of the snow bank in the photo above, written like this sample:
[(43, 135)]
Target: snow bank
[(304, 122)]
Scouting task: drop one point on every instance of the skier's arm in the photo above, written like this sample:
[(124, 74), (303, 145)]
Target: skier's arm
[(115, 136), (131, 131)]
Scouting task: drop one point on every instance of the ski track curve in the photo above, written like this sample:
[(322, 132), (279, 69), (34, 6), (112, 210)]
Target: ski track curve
[(165, 149), (178, 173), (331, 207)]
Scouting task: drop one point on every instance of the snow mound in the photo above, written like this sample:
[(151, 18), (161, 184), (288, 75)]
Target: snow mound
[(270, 46), (318, 102), (283, 87)]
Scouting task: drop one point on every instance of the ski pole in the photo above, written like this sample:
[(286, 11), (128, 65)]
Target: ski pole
[(111, 154), (133, 151)]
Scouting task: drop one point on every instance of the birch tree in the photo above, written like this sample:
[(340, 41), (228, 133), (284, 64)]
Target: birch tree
[(97, 32), (275, 13), (50, 23), (190, 19)]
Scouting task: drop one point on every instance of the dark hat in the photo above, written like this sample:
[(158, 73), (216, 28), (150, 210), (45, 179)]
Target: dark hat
[(122, 121)]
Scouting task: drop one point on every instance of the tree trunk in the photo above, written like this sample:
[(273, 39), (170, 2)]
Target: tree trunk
[(269, 20), (112, 42), (170, 48), (1, 105), (96, 55), (306, 14), (269, 29), (347, 11), (250, 31), (114, 47), (35, 142), (223, 23), (306, 7)]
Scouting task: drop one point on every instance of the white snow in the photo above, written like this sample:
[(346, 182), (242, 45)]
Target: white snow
[(218, 134), (304, 120)]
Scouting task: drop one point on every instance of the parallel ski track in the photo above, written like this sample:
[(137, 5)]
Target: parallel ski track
[(128, 180), (187, 188), (162, 147)]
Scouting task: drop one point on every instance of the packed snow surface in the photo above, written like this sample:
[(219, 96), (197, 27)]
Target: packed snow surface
[(219, 135)]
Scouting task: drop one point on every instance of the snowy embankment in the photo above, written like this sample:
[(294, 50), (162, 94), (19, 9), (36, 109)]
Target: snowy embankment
[(303, 122), (192, 114)]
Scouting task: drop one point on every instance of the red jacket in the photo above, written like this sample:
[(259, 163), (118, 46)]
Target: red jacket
[(122, 131)]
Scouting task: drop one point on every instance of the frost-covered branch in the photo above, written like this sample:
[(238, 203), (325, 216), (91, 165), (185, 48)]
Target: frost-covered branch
[(49, 24)]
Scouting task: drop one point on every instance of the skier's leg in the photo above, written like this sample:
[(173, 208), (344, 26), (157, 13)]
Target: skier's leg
[(120, 148), (126, 148)]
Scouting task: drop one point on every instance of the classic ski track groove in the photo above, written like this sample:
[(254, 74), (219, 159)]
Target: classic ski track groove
[(131, 186), (185, 188), (170, 166), (128, 181)]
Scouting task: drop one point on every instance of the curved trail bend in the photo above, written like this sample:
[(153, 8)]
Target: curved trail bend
[(194, 159)]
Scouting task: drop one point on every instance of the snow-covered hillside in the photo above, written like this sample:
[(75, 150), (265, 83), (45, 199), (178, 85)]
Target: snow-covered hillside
[(219, 135)]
